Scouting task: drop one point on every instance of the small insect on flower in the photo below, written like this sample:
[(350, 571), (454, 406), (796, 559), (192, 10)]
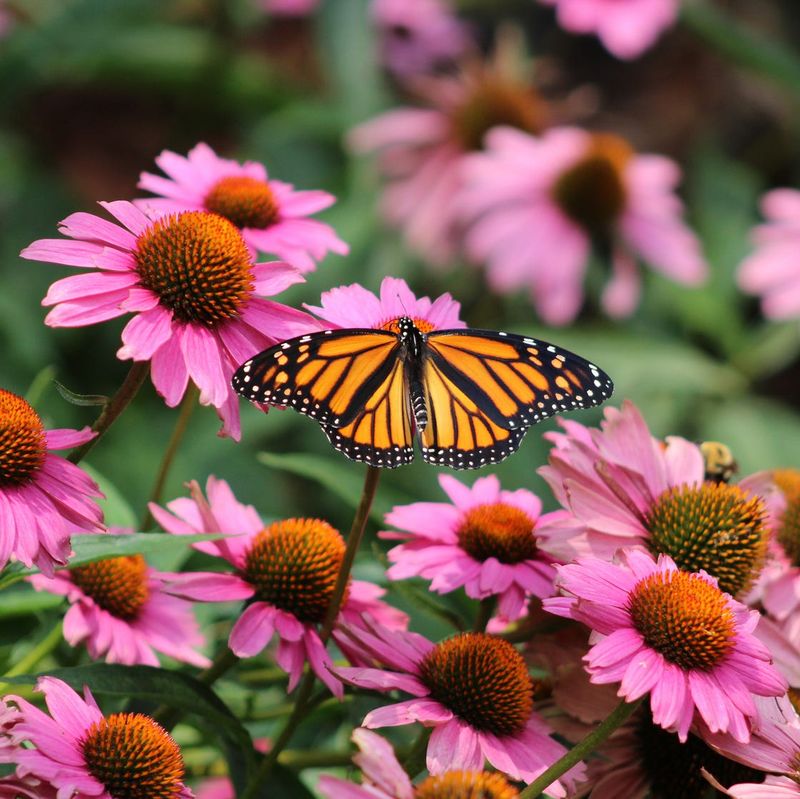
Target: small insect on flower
[(471, 394), (718, 460)]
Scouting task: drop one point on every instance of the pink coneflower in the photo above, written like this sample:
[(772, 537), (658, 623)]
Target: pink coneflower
[(672, 634), (771, 271), (190, 281), (774, 747), (484, 539), (624, 487), (384, 778), (81, 752), (625, 27), (355, 306), (216, 788), (421, 150), (415, 36), (476, 693), (534, 205), (43, 498), (121, 612), (271, 216), (286, 571)]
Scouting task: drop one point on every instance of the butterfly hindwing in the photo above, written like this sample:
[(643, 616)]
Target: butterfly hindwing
[(485, 388), (381, 434), (328, 376)]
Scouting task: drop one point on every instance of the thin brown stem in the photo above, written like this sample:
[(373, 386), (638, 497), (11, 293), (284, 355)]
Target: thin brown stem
[(112, 410), (301, 705), (188, 405)]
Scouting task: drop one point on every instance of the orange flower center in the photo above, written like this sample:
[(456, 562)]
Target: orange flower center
[(482, 679), (788, 480), (714, 526), (423, 325), (245, 201), (198, 264), (293, 564), (494, 101), (466, 785), (134, 757), (684, 618), (118, 585), (23, 445), (498, 531), (592, 192)]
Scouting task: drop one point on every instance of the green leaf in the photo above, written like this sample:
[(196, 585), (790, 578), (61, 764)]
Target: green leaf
[(82, 400), (117, 512), (26, 601), (172, 688), (342, 478)]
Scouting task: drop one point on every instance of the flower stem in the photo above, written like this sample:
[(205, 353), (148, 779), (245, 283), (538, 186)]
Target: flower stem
[(307, 683), (30, 661), (133, 381), (484, 614), (188, 405), (617, 717)]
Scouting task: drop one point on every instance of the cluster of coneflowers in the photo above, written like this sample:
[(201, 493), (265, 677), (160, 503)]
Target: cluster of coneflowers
[(659, 578)]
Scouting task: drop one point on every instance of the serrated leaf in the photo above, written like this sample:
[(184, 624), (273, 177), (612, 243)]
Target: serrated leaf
[(82, 400)]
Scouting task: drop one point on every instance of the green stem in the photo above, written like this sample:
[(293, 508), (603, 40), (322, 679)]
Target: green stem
[(618, 716), (307, 683), (484, 614), (299, 759), (743, 46), (38, 653), (188, 405), (133, 381)]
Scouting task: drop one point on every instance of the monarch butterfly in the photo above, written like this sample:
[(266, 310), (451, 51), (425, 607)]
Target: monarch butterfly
[(471, 394)]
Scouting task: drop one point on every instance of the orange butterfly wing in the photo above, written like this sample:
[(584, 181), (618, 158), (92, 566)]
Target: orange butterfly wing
[(483, 389), (350, 381)]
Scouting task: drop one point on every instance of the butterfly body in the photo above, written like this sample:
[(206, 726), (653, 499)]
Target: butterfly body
[(468, 394)]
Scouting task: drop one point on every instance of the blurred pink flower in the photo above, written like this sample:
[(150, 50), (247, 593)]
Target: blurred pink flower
[(271, 215), (384, 778), (623, 487), (772, 271), (532, 207), (216, 788), (120, 610), (190, 281), (483, 540), (672, 634), (774, 747), (415, 36), (76, 741), (355, 306), (626, 27), (44, 499), (27, 788), (288, 569), (476, 693), (421, 150)]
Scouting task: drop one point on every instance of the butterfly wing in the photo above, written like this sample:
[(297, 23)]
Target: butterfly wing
[(350, 381), (484, 389)]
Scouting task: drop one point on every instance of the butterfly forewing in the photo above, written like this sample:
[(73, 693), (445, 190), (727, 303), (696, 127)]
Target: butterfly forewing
[(329, 376)]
